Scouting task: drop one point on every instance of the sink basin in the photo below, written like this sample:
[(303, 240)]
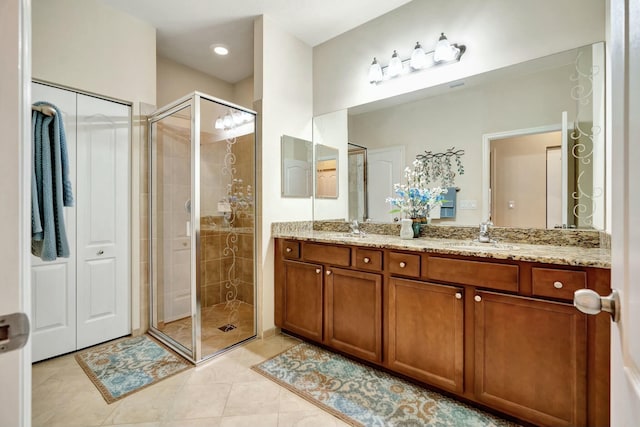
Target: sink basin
[(475, 246)]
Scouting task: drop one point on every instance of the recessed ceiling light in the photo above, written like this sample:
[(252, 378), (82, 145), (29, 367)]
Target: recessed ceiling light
[(219, 49)]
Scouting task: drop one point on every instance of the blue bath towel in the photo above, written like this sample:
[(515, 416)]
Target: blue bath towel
[(50, 186)]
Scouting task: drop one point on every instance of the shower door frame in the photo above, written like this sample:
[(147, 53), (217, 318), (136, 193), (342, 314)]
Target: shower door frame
[(193, 100)]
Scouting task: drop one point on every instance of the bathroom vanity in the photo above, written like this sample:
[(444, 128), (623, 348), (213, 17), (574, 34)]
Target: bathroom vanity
[(492, 325)]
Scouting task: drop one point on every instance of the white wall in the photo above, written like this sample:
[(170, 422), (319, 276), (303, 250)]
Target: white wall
[(89, 46), (86, 45), (175, 80), (283, 88), (497, 33)]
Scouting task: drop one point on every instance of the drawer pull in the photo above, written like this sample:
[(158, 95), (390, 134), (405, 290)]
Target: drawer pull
[(366, 260), (100, 252), (477, 298), (403, 264), (458, 295), (317, 271), (288, 250), (558, 285), (328, 273)]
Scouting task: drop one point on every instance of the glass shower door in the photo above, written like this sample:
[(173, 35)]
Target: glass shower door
[(172, 308)]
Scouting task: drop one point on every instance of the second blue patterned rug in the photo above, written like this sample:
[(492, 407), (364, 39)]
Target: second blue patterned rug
[(364, 396), (123, 367)]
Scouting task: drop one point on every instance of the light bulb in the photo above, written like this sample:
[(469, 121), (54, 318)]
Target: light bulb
[(227, 121), (418, 57), (375, 72), (444, 51), (395, 65), (219, 123), (237, 117)]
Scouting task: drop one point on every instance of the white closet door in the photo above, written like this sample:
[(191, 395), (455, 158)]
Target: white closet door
[(103, 289), (53, 292)]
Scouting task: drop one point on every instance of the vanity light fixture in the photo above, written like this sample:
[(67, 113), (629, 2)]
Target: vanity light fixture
[(444, 53)]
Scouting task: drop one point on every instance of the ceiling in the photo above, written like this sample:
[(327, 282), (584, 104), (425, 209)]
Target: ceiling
[(186, 28)]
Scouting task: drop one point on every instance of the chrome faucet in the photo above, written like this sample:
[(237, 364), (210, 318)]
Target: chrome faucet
[(483, 235)]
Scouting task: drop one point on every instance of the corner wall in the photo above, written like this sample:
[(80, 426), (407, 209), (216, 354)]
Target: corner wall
[(283, 98)]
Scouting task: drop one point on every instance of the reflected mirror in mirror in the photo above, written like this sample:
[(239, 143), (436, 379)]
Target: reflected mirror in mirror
[(469, 114), (326, 172), (297, 160)]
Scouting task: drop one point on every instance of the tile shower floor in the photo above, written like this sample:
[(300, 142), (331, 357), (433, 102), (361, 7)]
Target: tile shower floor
[(213, 318), (223, 392)]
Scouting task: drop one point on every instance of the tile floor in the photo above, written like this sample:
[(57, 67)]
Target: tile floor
[(239, 314), (223, 392)]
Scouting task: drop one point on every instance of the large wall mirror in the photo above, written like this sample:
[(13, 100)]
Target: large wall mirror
[(532, 136), (297, 167)]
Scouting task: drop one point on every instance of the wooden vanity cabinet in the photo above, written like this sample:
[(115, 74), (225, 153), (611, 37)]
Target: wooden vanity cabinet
[(337, 306), (502, 333)]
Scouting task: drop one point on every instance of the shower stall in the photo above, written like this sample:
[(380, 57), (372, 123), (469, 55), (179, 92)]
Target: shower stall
[(202, 228)]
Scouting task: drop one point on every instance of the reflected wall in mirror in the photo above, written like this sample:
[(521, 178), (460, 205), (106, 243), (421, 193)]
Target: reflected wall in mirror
[(530, 95), (297, 161), (326, 172), (357, 165)]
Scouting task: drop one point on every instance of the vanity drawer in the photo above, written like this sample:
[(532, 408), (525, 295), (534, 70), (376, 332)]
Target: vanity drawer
[(404, 264), (554, 283), (368, 259), (475, 273), (327, 254), (291, 249)]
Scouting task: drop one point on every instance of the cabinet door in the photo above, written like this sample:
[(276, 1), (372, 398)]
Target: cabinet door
[(531, 359), (302, 299), (426, 332), (354, 312)]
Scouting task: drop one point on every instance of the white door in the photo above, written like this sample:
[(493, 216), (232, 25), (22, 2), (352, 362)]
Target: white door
[(15, 225), (103, 290), (624, 46), (53, 283), (388, 164)]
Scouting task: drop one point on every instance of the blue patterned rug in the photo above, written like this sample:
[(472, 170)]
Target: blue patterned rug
[(364, 396), (123, 367)]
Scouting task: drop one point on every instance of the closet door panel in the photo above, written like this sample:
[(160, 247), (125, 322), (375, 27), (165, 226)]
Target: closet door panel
[(103, 289), (53, 293)]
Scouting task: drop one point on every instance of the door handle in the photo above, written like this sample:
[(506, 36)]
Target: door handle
[(14, 331), (590, 302)]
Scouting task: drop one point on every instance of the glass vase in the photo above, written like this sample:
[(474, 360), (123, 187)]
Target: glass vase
[(417, 222)]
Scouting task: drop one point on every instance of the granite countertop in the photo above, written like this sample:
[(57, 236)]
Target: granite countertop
[(562, 255)]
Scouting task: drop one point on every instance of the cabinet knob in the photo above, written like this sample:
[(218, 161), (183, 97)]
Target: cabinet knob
[(317, 271), (403, 264), (477, 298), (328, 272), (558, 285), (367, 260), (458, 295), (100, 252), (288, 250)]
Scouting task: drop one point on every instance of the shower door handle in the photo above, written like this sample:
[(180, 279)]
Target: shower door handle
[(188, 224)]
